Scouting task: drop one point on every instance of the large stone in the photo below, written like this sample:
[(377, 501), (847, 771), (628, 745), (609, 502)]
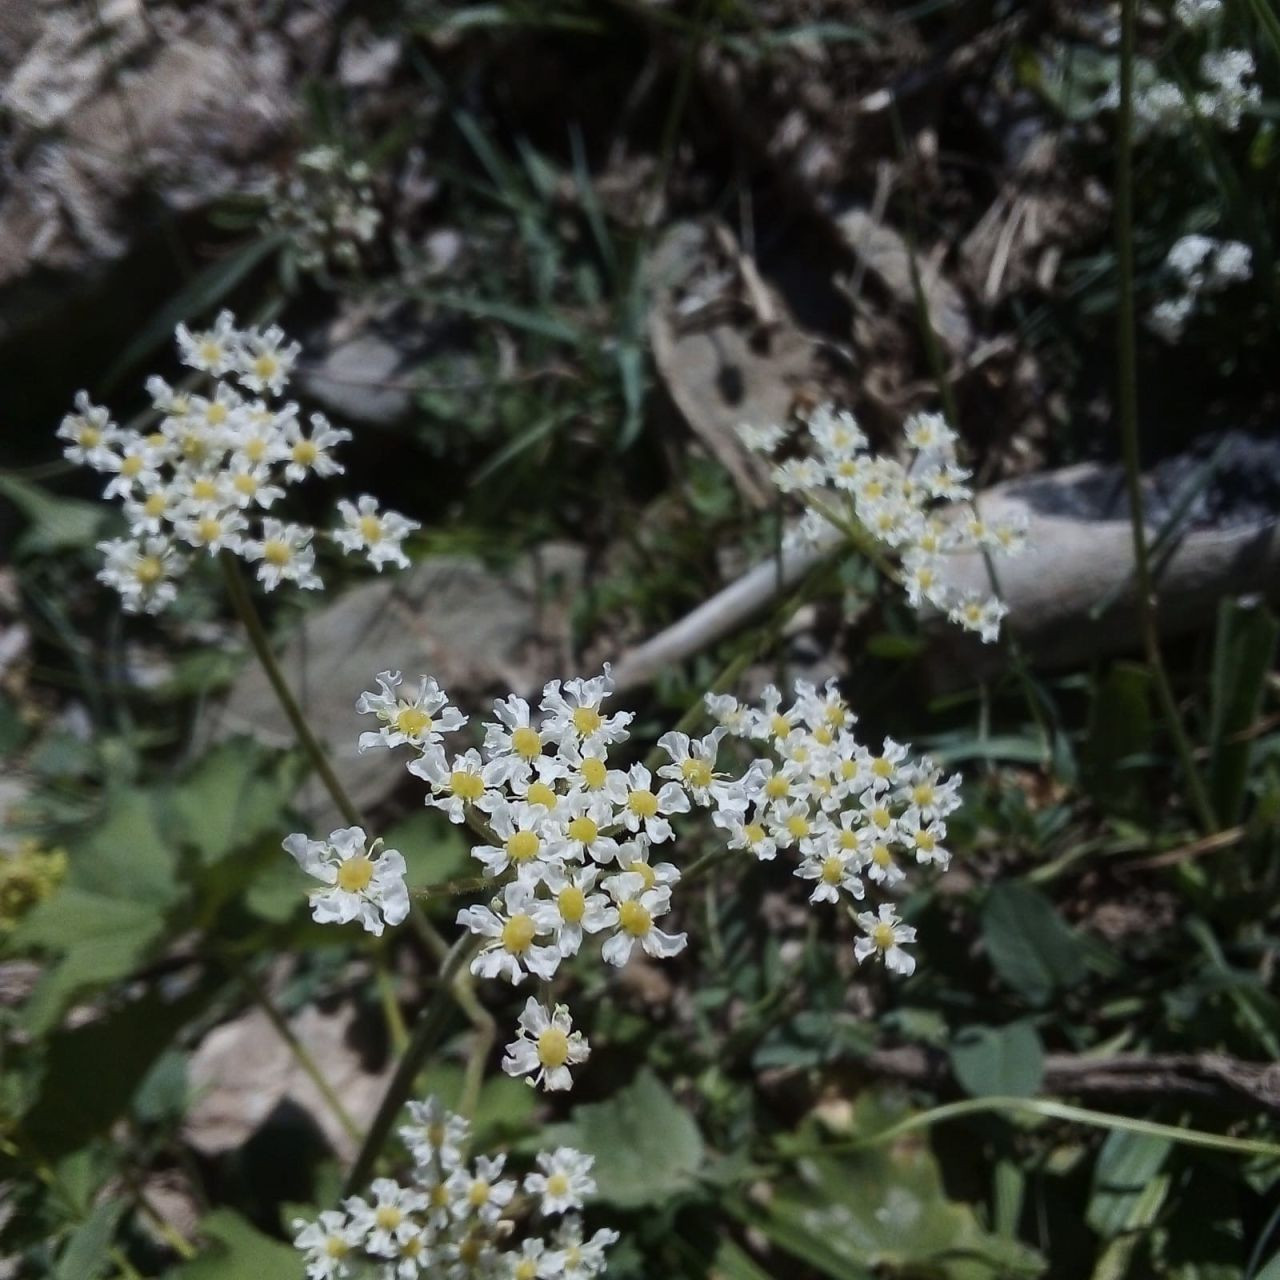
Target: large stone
[(480, 632)]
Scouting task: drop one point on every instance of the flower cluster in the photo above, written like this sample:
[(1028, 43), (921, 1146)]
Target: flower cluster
[(1202, 267), (325, 207), (577, 849), (456, 1218), (908, 511), (204, 479)]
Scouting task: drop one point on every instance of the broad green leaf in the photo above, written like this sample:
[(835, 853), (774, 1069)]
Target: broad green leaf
[(86, 1254), (998, 1061), (236, 1250), (101, 939), (1119, 729), (56, 524), (1127, 1192), (434, 849), (1242, 654), (1029, 944), (124, 853), (647, 1147)]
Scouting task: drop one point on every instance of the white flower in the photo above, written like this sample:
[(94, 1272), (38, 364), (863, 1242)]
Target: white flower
[(286, 555), (637, 908), (264, 361), (385, 1223), (214, 532), (574, 716), (143, 572), (311, 454), (534, 1261), (378, 534), (924, 838), (583, 1259), (134, 468), (981, 614), (211, 350), (545, 1047), (249, 485), (1229, 97), (327, 1243), (529, 842), (418, 718), (480, 1192), (563, 1180), (885, 934), (435, 1135), (514, 740), (747, 835), (510, 948), (728, 711), (91, 434), (923, 578), (456, 784), (878, 864), (836, 432), (693, 763), (641, 808), (923, 788), (1195, 14), (585, 816), (881, 772), (1169, 317), (580, 911), (760, 439), (152, 512), (360, 885), (833, 869), (929, 433)]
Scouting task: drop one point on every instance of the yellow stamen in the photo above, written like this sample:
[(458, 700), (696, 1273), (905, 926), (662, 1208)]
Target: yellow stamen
[(553, 1047), (354, 874), (634, 919)]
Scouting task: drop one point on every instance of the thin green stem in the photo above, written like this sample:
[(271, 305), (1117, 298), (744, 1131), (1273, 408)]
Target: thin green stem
[(426, 1036), (1048, 1109), (296, 1047), (1127, 397), (242, 602)]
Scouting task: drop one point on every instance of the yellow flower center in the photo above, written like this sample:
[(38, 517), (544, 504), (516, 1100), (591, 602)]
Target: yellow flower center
[(276, 552), (557, 1184), (216, 414), (881, 856), (848, 840), (354, 874), (634, 919), (245, 484), (832, 869), (526, 1269), (643, 803), (848, 769), (823, 736), (211, 352), (518, 933), (882, 936), (780, 726), (523, 846), (881, 817), (336, 1247), (478, 1195), (465, 785), (411, 1247), (541, 793), (923, 793), (131, 465), (881, 767), (525, 742), (587, 720), (754, 832), (439, 1196), (469, 1251), (583, 829), (192, 445), (156, 440), (256, 449), (553, 1047), (149, 570), (572, 903), (90, 437), (207, 529), (204, 490), (388, 1217), (265, 365), (645, 872), (798, 825), (777, 787), (305, 452), (594, 773), (697, 773), (156, 504), (412, 721), (926, 841), (370, 528)]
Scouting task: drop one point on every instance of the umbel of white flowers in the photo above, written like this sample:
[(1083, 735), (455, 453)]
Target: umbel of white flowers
[(581, 851), (217, 461), (455, 1219), (913, 510)]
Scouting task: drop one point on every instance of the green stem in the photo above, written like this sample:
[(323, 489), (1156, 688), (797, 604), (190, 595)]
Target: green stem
[(426, 1036), (242, 602), (1127, 352), (296, 1047), (1046, 1108)]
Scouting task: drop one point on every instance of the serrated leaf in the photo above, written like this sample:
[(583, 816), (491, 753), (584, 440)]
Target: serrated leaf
[(998, 1061), (1029, 944), (124, 853), (647, 1147)]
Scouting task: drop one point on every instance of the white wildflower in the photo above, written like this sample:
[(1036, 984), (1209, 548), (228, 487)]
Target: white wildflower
[(545, 1047), (361, 882)]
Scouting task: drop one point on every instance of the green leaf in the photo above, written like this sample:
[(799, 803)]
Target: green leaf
[(86, 1255), (101, 939), (1030, 946), (1119, 729), (1126, 1192), (56, 524), (124, 854), (998, 1061), (1246, 641), (647, 1147), (434, 849), (238, 1251)]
